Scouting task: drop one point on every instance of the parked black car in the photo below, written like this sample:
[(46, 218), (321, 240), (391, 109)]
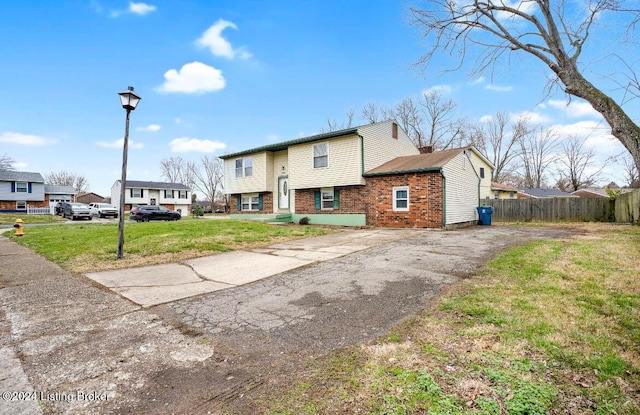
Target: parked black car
[(147, 213)]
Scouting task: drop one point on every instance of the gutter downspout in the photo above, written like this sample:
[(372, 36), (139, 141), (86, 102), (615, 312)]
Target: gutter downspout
[(444, 199)]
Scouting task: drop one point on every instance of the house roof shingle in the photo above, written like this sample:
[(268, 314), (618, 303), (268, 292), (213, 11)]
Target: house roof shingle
[(138, 184), (59, 189), (546, 193), (504, 187), (417, 163), (22, 176)]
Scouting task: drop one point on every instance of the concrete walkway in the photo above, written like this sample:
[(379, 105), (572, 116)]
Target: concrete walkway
[(159, 284)]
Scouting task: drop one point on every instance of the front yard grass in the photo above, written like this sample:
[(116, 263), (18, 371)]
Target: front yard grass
[(86, 247), (10, 218), (549, 327)]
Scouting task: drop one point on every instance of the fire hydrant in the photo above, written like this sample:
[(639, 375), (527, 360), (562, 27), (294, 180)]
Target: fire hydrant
[(19, 227)]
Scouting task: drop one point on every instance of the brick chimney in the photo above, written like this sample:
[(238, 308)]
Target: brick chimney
[(426, 149)]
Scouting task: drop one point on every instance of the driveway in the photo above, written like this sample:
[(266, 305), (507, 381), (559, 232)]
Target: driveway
[(63, 333)]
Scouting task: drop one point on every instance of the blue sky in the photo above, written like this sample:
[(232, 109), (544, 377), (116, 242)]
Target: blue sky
[(223, 76)]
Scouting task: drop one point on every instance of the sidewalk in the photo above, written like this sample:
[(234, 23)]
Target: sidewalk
[(159, 284)]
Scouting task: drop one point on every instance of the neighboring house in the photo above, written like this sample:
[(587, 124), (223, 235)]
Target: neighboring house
[(19, 188), (598, 193), (332, 178), (58, 194), (542, 194), (89, 197), (503, 191), (174, 196)]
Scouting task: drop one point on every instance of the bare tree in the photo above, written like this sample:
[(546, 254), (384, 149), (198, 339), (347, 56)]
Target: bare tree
[(410, 117), (438, 114), (209, 177), (177, 170), (537, 153), (577, 166), (548, 30), (67, 178), (6, 163), (499, 142), (630, 172)]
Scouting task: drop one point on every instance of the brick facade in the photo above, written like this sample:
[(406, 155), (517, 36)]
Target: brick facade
[(425, 201), (11, 204), (353, 199), (267, 204)]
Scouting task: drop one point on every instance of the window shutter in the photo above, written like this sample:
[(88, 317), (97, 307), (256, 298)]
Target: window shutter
[(239, 203), (336, 199), (13, 187), (259, 202), (165, 194), (316, 199), (29, 187), (141, 192), (131, 192)]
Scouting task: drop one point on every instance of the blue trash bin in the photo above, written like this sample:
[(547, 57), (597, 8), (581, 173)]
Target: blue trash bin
[(484, 213)]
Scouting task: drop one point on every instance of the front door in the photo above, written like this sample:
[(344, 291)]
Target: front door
[(283, 193)]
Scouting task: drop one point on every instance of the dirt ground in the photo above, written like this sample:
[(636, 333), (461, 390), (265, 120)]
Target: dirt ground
[(84, 349)]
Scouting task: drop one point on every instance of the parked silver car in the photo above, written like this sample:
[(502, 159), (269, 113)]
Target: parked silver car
[(74, 211), (102, 210)]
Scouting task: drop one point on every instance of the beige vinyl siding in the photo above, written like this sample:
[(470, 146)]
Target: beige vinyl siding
[(461, 190), (261, 179), (380, 146), (344, 168), (485, 183)]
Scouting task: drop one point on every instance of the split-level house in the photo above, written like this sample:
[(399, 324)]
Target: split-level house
[(20, 189), (348, 177), (174, 196)]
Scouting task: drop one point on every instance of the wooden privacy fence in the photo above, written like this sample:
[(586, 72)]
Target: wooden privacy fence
[(551, 210), (628, 207), (625, 209)]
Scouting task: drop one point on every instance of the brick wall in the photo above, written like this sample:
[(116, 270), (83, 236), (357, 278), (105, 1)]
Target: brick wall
[(425, 201), (353, 199), (267, 204), (11, 205)]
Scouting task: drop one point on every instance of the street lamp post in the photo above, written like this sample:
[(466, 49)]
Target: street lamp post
[(129, 102)]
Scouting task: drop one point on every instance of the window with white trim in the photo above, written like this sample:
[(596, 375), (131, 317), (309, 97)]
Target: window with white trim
[(21, 205), (22, 187), (250, 202), (320, 155), (244, 167), (239, 168), (182, 194), (401, 199), (136, 193), (168, 194), (326, 198)]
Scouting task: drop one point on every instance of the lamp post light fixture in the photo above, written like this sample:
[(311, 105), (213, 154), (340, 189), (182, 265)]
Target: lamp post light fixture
[(129, 101)]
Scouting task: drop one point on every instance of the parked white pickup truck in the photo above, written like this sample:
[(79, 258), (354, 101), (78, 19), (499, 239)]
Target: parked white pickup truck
[(102, 210)]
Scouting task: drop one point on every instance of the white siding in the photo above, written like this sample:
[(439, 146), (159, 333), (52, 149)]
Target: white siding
[(461, 197), (261, 179), (380, 146), (344, 167), (115, 194), (36, 195)]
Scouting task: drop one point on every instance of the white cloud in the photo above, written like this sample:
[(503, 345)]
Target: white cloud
[(219, 46), (186, 144), (193, 78), (25, 139), (178, 120), (141, 8), (575, 108), (477, 81), (533, 117), (596, 134), (498, 88), (442, 89), (119, 143), (151, 128), (273, 138), (20, 165)]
